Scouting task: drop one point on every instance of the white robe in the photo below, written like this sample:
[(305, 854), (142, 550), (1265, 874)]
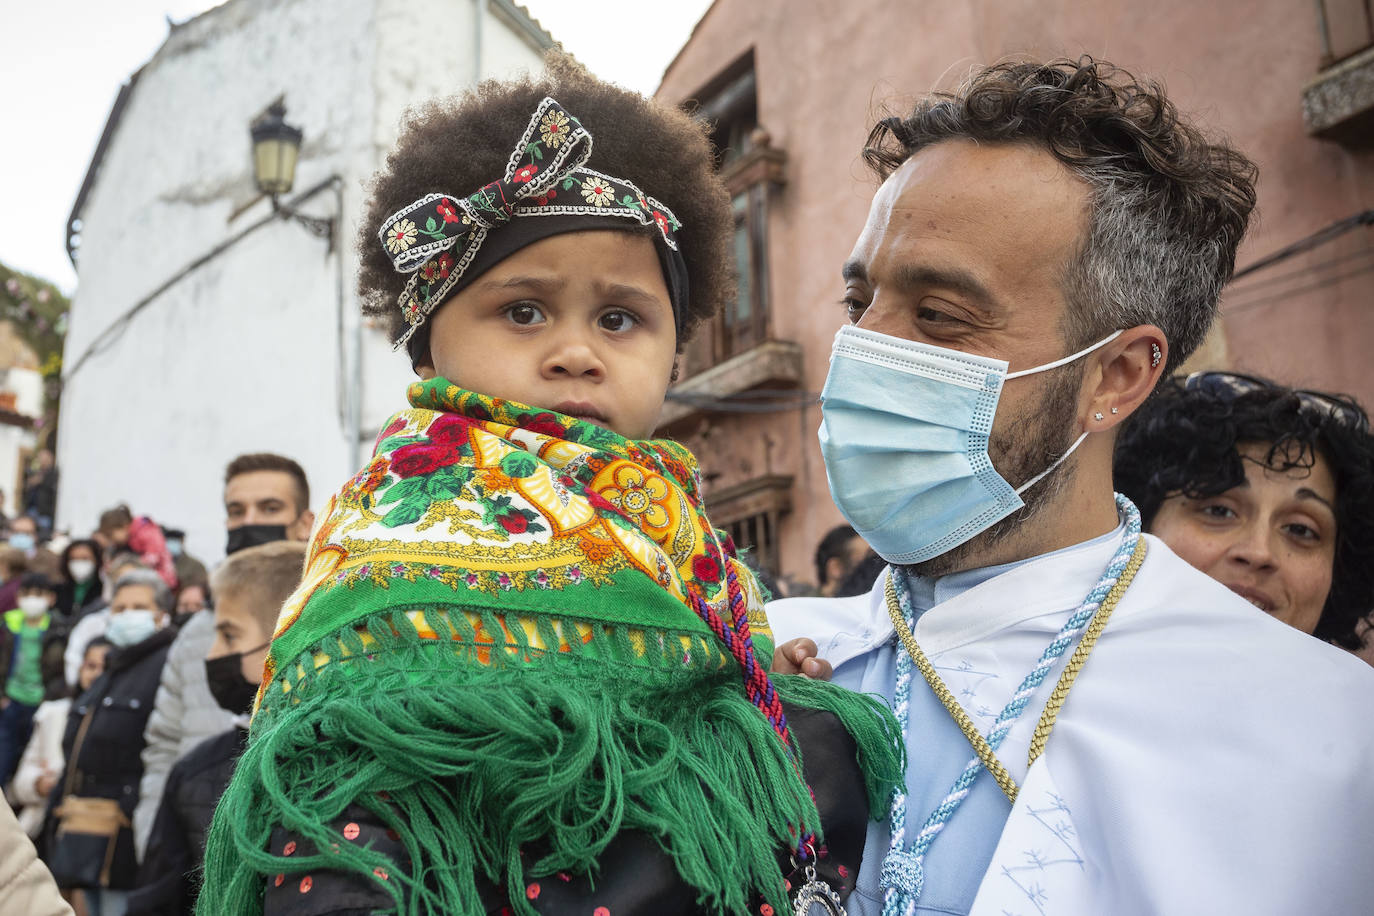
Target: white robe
[(1208, 760)]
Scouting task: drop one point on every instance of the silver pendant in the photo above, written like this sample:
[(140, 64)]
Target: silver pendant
[(816, 898)]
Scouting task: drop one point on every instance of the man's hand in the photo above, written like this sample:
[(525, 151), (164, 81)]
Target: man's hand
[(798, 656), (45, 784)]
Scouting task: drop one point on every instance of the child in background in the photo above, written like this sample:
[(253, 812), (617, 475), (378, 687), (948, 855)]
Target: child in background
[(251, 586), (523, 671), (25, 667)]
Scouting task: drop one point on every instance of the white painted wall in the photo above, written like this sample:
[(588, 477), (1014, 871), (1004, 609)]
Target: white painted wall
[(244, 354)]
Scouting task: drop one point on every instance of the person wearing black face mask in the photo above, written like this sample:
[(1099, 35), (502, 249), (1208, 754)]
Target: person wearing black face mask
[(266, 499), (250, 588)]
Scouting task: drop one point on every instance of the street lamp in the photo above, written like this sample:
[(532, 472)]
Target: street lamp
[(276, 146)]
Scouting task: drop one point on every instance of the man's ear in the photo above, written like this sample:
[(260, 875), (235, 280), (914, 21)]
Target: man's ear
[(1128, 369), (302, 526), (834, 570)]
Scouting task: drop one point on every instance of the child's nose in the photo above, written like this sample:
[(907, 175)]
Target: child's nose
[(574, 358)]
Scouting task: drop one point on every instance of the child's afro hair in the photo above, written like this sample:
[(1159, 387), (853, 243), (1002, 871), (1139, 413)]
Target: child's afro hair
[(458, 144)]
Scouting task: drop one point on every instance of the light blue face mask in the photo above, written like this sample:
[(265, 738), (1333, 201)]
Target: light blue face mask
[(904, 434)]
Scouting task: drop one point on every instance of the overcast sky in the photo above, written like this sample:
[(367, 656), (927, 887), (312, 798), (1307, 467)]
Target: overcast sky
[(63, 62)]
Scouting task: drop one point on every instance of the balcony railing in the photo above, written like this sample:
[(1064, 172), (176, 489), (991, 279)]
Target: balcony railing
[(1346, 27)]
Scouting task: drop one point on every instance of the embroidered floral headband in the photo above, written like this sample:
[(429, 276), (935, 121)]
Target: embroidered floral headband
[(437, 238)]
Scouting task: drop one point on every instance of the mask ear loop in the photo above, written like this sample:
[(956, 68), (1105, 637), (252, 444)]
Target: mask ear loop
[(1058, 461), (1068, 359), (1079, 441)]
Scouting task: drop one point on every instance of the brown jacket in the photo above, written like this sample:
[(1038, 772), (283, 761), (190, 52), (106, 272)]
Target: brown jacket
[(26, 885)]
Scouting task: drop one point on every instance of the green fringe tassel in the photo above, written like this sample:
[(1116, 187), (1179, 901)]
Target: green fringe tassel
[(552, 754)]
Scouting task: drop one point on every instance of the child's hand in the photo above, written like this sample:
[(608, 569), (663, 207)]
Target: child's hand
[(798, 656)]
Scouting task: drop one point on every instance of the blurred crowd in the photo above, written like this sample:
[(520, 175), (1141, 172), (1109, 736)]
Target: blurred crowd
[(129, 672)]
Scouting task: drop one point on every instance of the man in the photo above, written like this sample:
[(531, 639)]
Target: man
[(1063, 220), (250, 588), (837, 555), (266, 498)]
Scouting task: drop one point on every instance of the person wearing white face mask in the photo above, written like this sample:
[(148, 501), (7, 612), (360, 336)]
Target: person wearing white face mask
[(1092, 725), (103, 743), (27, 667), (79, 591)]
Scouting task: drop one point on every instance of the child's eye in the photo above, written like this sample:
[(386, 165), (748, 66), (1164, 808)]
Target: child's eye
[(618, 321), (524, 313)]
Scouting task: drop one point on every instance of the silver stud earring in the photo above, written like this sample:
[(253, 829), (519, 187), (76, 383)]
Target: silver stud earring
[(1098, 415), (1115, 410), (1155, 355)]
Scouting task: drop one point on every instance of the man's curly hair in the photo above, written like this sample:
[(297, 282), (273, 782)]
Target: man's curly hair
[(458, 144), (1184, 442), (1168, 208)]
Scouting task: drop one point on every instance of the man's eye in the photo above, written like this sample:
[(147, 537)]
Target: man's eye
[(854, 308), (524, 314), (618, 321), (935, 316), (1217, 511)]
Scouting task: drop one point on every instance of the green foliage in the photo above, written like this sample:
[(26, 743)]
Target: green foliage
[(38, 312)]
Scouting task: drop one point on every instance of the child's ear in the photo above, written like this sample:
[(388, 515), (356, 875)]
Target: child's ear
[(424, 366)]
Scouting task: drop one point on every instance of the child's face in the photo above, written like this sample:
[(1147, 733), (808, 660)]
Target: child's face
[(579, 323), (238, 632)]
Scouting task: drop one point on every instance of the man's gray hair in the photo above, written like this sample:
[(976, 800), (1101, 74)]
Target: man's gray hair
[(1167, 210), (161, 593)]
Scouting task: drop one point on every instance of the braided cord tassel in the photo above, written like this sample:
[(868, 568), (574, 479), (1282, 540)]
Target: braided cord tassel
[(903, 875), (758, 686)]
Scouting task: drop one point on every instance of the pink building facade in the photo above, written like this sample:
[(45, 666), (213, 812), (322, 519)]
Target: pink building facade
[(792, 90)]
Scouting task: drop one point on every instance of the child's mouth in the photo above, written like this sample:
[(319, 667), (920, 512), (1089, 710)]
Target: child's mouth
[(585, 412)]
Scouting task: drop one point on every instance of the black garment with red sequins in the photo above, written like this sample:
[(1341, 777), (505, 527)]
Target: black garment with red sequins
[(636, 877)]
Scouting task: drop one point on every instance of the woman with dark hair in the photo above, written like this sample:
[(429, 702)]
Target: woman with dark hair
[(78, 592), (1267, 489)]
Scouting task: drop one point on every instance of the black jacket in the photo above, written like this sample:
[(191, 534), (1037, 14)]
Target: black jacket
[(109, 763), (169, 878)]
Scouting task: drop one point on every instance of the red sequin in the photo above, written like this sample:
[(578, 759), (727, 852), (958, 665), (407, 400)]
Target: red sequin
[(381, 873), (532, 891), (279, 879), (766, 910), (351, 832), (601, 911), (289, 848), (307, 884)]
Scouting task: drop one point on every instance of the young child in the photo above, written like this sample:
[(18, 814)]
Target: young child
[(250, 588), (523, 672), (26, 667)]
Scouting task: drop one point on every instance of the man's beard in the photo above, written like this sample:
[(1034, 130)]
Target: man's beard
[(1028, 445)]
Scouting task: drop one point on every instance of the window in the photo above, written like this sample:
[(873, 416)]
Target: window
[(751, 169), (757, 536), (1346, 26)]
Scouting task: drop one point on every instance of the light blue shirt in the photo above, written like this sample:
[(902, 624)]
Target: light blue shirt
[(937, 752)]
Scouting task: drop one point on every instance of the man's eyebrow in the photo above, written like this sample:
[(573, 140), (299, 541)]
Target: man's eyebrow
[(955, 279), (854, 269)]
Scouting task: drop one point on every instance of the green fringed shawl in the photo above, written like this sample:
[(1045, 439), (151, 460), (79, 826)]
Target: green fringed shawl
[(492, 649)]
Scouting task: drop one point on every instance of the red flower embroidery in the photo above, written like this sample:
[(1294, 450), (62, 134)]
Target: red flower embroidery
[(418, 460), (445, 264), (447, 210), (396, 426), (662, 222), (515, 523), (525, 173), (706, 568), (546, 424), (449, 429), (547, 196), (429, 271)]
